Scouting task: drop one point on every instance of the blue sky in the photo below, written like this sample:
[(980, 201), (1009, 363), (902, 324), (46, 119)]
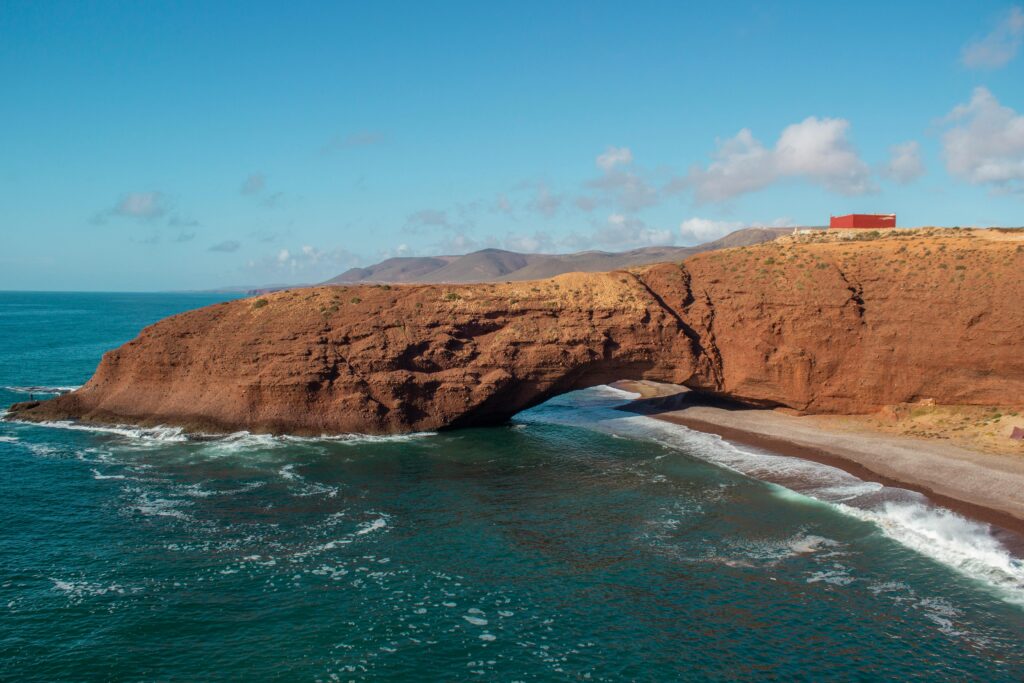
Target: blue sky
[(148, 146)]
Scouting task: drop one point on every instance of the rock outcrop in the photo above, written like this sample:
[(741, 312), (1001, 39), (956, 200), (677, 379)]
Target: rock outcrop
[(815, 324)]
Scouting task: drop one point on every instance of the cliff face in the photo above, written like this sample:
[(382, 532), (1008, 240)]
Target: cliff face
[(817, 327)]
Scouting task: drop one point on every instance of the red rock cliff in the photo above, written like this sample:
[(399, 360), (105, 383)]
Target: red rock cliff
[(819, 326)]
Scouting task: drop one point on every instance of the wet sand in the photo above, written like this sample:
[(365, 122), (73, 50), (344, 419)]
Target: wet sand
[(983, 486)]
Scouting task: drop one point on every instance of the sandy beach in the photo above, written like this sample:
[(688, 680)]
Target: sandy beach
[(985, 486)]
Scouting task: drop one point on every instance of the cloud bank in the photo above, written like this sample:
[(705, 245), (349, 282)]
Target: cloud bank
[(984, 143), (815, 150)]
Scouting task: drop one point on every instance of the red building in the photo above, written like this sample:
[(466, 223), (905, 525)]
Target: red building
[(863, 221)]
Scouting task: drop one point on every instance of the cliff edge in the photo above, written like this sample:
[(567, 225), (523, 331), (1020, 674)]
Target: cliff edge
[(819, 323)]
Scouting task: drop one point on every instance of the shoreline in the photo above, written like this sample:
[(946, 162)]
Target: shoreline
[(982, 491)]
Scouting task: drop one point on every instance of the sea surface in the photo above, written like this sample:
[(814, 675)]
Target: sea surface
[(576, 543)]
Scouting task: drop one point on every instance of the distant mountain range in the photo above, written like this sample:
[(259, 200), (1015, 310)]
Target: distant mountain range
[(489, 265), (497, 264)]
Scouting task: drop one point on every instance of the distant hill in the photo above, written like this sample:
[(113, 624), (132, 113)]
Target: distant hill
[(497, 264)]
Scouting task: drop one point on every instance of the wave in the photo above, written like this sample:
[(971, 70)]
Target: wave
[(158, 433), (149, 504), (364, 528), (955, 541), (76, 590), (356, 439), (244, 439), (371, 526), (906, 517), (304, 487), (241, 440), (41, 389), (96, 474), (903, 516)]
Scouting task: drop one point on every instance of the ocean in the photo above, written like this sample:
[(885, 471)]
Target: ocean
[(578, 542)]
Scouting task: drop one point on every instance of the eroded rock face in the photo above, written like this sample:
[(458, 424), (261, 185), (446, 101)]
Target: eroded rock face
[(820, 327)]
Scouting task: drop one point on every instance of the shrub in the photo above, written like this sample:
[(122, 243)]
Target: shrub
[(451, 296), (260, 303), (356, 300)]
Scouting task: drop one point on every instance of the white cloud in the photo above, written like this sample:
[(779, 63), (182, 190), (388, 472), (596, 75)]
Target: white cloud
[(254, 184), (459, 218), (143, 205), (817, 150), (306, 264), (619, 187), (538, 242), (462, 243), (624, 189), (620, 232), (705, 229), (985, 143), (427, 218), (998, 47), (613, 156), (905, 165), (699, 230), (545, 202), (400, 250), (741, 164)]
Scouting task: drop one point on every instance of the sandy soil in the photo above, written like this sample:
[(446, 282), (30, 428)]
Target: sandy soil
[(983, 485)]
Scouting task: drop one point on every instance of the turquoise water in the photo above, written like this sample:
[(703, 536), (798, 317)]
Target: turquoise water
[(578, 543)]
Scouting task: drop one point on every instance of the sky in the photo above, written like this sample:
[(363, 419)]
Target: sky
[(178, 145)]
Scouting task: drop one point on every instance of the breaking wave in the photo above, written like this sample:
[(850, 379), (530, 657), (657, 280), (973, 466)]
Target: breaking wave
[(904, 516), (242, 440), (955, 541), (40, 389)]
